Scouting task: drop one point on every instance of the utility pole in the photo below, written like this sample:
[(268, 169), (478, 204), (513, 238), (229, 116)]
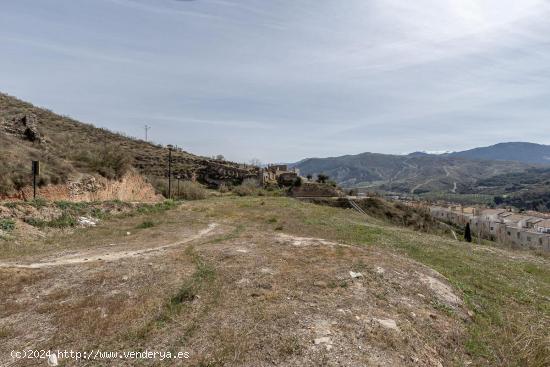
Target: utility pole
[(146, 130), (35, 172), (170, 171)]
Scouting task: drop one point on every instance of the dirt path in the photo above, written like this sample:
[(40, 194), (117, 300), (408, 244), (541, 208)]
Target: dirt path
[(103, 254), (420, 185), (454, 188)]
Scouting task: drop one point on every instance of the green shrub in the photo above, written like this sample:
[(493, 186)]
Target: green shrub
[(7, 225), (156, 208), (64, 221), (146, 224), (69, 205), (322, 178), (38, 203)]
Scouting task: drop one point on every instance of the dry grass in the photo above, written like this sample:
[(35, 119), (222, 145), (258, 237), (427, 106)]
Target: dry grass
[(249, 187), (189, 190), (251, 295)]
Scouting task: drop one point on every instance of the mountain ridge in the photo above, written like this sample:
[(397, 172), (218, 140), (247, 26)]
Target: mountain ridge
[(413, 173), (509, 151)]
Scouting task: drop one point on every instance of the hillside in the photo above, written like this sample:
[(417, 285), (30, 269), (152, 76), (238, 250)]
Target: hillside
[(525, 190), (414, 173), (69, 148), (269, 281), (515, 151)]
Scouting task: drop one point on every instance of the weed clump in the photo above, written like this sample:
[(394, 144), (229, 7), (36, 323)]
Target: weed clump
[(7, 225), (66, 220), (146, 224)]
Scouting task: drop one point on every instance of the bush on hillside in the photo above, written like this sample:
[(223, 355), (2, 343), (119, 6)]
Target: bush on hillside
[(189, 190), (109, 162), (249, 187), (322, 178)]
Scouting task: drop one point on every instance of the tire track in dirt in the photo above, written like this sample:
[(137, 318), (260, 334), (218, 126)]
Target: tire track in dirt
[(83, 257)]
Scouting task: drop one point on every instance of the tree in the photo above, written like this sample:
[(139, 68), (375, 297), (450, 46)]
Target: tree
[(309, 177), (220, 157), (322, 178), (468, 233)]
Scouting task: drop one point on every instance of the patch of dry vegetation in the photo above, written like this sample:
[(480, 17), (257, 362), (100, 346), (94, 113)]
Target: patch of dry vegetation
[(189, 190)]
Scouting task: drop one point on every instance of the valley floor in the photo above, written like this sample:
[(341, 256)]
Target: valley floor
[(262, 281)]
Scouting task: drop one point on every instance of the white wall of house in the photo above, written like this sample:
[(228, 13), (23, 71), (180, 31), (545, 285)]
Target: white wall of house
[(511, 230)]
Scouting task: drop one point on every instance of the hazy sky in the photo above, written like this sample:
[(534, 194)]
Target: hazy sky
[(282, 80)]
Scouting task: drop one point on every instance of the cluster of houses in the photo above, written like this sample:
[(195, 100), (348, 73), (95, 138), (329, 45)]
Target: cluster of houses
[(278, 174), (300, 187), (518, 230)]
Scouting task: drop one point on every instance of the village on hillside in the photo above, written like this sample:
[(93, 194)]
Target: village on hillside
[(520, 230)]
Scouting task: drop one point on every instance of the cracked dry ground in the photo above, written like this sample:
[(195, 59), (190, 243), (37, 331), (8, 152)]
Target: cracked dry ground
[(242, 293)]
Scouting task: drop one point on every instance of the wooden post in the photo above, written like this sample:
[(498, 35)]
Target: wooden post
[(35, 172), (170, 171)]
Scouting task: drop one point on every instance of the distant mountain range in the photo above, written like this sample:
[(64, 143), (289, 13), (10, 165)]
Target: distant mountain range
[(520, 152), (420, 172)]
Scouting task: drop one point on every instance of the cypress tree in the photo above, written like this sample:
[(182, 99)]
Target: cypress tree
[(467, 233)]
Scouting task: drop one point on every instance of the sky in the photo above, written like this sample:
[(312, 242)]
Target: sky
[(282, 80)]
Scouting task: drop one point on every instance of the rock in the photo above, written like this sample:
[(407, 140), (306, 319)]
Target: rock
[(125, 278), (380, 270), (24, 126), (387, 323), (354, 275), (442, 291), (320, 284), (128, 233), (322, 340), (87, 221), (30, 131), (52, 360), (243, 281)]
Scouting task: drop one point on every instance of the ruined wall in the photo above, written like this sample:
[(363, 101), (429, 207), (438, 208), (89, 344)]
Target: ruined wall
[(131, 187)]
